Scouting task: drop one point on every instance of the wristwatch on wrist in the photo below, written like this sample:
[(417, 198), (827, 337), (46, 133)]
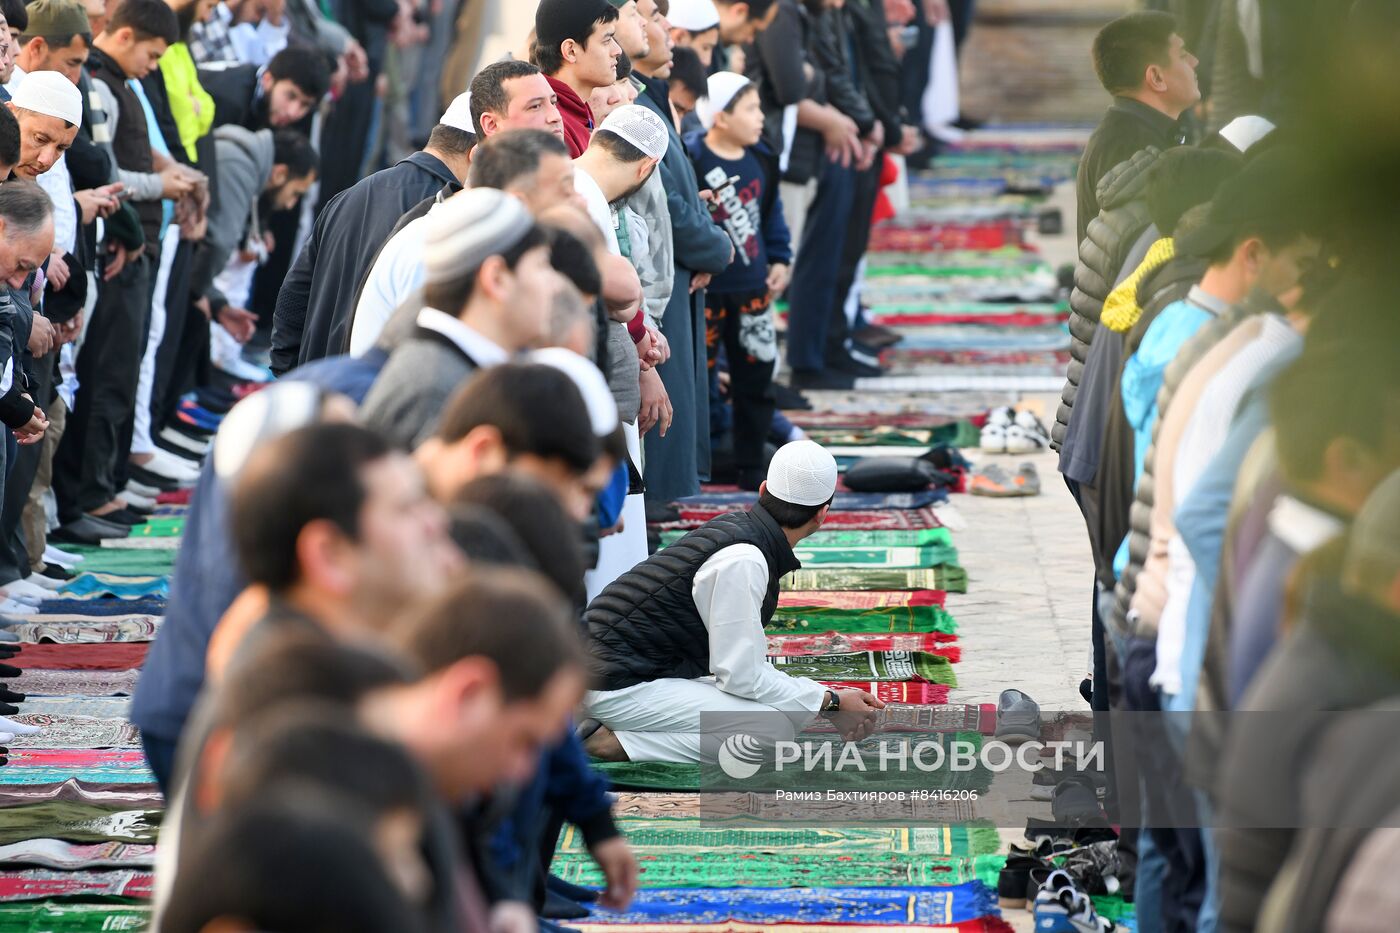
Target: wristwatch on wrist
[(832, 702)]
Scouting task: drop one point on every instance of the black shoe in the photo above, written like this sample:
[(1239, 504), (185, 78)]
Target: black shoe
[(146, 478), (1014, 881), (877, 336), (124, 517), (10, 696), (853, 366), (822, 379), (8, 709), (558, 907), (789, 399), (965, 122), (9, 670), (55, 572), (88, 530), (574, 892)]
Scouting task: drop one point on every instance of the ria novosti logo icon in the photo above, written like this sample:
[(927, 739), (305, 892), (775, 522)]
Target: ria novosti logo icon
[(740, 756)]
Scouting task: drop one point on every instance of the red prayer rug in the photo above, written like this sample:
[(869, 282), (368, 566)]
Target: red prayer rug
[(844, 643), (861, 599), (121, 656)]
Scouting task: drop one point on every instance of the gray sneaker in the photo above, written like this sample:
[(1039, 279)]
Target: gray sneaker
[(1018, 717)]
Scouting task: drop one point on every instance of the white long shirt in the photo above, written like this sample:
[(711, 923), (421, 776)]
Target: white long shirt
[(728, 590), (396, 274)]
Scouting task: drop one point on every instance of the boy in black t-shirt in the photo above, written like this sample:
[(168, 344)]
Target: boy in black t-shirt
[(743, 173)]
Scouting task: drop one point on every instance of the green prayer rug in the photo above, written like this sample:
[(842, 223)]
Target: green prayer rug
[(791, 620), (917, 537), (156, 527), (721, 869), (695, 834), (48, 916), (870, 666), (957, 434), (126, 562), (877, 557), (950, 578)]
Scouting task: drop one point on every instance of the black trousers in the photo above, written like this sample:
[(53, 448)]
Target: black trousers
[(867, 188), (14, 556), (183, 358), (91, 458), (742, 323), (346, 133)]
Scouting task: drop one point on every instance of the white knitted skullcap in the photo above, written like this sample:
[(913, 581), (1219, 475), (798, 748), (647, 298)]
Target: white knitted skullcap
[(458, 114), (469, 227), (640, 127), (51, 94), (1243, 132), (268, 413), (602, 407), (693, 15), (724, 87), (802, 473)]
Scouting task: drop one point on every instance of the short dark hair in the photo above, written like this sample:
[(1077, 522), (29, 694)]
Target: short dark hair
[(15, 14), (318, 746), (9, 138), (787, 514), (451, 140), (619, 148), (757, 8), (23, 205), (550, 59), (1125, 47), (295, 666), (501, 160), (541, 524), (488, 88), (453, 294), (537, 409), (743, 92), (308, 475), (688, 71), (57, 41), (1183, 177), (573, 259), (511, 617), (290, 862), (147, 19), (306, 68), (294, 150), (485, 537)]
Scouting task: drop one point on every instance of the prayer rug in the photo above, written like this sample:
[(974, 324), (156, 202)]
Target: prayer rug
[(88, 608), (790, 646), (907, 691), (124, 630), (848, 420), (988, 924), (751, 807), (50, 765), (949, 577), (807, 600), (768, 905), (69, 856), (101, 707), (905, 357), (123, 560), (78, 822), (690, 834), (38, 883), (143, 544), (709, 868), (74, 791), (76, 732), (789, 620), (908, 316), (923, 537), (164, 527), (871, 665), (75, 683), (106, 586), (958, 434), (897, 237), (877, 557), (844, 501), (48, 917), (886, 520), (953, 383), (114, 657)]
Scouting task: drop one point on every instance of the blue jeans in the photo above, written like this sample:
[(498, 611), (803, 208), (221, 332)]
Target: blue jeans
[(818, 267)]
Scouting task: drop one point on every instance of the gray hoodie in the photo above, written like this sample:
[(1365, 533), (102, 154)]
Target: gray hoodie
[(243, 161)]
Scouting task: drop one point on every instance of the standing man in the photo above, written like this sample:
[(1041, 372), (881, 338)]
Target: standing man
[(317, 300), (682, 634), (576, 46), (1144, 64), (514, 95)]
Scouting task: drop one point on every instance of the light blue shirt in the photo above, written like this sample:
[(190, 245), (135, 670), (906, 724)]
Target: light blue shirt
[(157, 144)]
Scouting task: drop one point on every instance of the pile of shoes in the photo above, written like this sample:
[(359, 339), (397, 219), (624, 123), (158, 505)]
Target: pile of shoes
[(1009, 431), (1059, 906), (996, 483), (1056, 878)]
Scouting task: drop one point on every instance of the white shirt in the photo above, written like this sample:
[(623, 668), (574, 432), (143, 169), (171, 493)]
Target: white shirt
[(598, 209), (728, 590), (483, 351), (396, 274)]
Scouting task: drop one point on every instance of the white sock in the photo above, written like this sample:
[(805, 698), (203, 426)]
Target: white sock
[(16, 728)]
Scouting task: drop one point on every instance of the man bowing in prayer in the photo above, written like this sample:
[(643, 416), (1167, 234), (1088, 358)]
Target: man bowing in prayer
[(681, 634)]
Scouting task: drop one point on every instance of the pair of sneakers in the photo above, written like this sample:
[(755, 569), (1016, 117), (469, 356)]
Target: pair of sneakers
[(1060, 907), (993, 481), (1008, 431)]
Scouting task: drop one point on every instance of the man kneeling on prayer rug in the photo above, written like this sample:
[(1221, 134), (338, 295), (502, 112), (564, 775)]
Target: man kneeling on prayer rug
[(681, 634)]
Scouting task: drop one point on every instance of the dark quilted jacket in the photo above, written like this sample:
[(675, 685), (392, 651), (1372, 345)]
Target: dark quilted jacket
[(644, 626), (1111, 235)]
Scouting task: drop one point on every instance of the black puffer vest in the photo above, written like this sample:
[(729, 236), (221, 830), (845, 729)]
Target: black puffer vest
[(131, 143), (644, 626)]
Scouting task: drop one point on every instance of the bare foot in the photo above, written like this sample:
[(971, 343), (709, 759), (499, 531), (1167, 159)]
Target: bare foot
[(604, 746), (141, 459), (113, 506)]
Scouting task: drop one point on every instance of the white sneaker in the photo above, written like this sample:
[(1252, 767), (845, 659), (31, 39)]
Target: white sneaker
[(141, 489), (6, 737), (53, 554), (993, 438), (17, 728), (10, 607), (169, 468), (22, 591), (141, 502), (184, 442), (1027, 435), (48, 583)]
